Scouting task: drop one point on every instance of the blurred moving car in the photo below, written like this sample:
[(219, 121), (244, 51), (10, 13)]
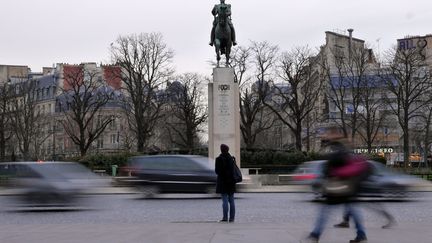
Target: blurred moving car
[(48, 183), (170, 174), (306, 172), (381, 183)]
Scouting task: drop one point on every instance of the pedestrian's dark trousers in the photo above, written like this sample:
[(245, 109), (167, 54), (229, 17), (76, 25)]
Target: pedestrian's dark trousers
[(228, 199)]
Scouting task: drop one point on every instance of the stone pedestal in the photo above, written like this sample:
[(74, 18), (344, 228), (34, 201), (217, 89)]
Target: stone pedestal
[(224, 113)]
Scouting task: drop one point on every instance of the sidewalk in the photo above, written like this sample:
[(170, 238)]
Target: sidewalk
[(202, 232), (254, 189)]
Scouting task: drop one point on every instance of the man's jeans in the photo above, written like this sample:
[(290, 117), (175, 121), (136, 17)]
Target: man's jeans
[(324, 215), (228, 198)]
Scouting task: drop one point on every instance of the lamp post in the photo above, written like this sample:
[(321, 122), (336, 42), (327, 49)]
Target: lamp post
[(118, 141), (53, 143)]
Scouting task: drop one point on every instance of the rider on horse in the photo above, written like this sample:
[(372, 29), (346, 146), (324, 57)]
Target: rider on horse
[(216, 10)]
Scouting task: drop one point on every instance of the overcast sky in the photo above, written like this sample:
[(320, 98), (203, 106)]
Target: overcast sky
[(40, 33)]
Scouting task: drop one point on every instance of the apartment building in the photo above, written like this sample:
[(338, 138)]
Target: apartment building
[(13, 73), (49, 86), (388, 136)]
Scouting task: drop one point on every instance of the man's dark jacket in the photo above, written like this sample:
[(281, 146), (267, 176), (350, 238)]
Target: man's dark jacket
[(224, 169)]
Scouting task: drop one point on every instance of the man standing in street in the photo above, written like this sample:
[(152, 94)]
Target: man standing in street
[(225, 185)]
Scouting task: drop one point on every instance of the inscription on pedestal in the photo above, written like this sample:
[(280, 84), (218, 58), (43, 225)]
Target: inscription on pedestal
[(224, 113)]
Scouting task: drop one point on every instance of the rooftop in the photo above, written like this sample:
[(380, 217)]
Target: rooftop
[(343, 36)]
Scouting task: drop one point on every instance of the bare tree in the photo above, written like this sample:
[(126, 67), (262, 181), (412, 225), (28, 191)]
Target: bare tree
[(27, 119), (127, 138), (345, 84), (336, 88), (424, 131), (264, 60), (366, 119), (146, 65), (5, 124), (371, 119), (83, 98), (251, 66), (255, 119), (240, 62), (186, 110), (408, 81), (252, 112), (296, 98)]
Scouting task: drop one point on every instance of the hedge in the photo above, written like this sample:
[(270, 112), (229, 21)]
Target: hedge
[(104, 161), (270, 161)]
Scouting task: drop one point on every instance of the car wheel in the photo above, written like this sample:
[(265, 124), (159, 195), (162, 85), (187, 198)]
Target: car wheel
[(149, 191), (211, 190), (396, 193)]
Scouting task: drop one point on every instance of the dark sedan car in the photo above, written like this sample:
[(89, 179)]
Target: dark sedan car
[(170, 174), (48, 183), (381, 183)]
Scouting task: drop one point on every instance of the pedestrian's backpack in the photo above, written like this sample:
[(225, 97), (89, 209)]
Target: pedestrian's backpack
[(237, 175), (347, 178), (356, 166)]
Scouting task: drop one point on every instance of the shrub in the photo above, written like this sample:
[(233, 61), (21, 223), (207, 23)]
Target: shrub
[(376, 158), (275, 161), (104, 161)]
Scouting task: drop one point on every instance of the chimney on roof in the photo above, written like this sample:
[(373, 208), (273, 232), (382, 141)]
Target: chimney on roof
[(350, 42)]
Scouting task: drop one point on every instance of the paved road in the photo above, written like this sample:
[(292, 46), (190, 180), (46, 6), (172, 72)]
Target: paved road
[(283, 217)]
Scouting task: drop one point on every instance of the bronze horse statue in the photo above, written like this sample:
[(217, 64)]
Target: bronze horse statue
[(223, 41)]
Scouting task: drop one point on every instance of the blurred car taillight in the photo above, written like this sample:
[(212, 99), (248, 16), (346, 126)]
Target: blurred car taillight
[(304, 177)]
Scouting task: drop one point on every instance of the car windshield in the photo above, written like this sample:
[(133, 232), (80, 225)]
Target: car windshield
[(178, 163), (205, 162), (65, 170), (381, 169), (312, 167)]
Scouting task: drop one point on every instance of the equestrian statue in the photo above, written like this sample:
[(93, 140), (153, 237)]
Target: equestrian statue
[(223, 33)]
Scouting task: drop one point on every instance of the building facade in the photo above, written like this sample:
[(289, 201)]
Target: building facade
[(387, 141), (49, 87)]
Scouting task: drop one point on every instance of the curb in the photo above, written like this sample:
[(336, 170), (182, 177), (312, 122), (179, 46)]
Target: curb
[(113, 190)]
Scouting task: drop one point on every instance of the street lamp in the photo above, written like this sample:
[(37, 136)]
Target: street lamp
[(53, 143)]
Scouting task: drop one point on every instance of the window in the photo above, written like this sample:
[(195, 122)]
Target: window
[(100, 143), (113, 124), (114, 138)]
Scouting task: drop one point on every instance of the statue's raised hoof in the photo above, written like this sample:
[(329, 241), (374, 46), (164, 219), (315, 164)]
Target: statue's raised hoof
[(234, 43)]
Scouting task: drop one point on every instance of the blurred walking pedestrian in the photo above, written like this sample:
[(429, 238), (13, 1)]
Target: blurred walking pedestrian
[(225, 184), (342, 175), (375, 206)]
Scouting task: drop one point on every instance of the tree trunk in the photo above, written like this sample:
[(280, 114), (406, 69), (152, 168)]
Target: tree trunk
[(2, 147), (82, 152), (369, 147), (2, 144), (406, 139), (406, 149), (26, 150), (426, 153), (248, 139), (140, 144), (426, 140), (298, 137), (308, 143), (353, 127), (369, 134)]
